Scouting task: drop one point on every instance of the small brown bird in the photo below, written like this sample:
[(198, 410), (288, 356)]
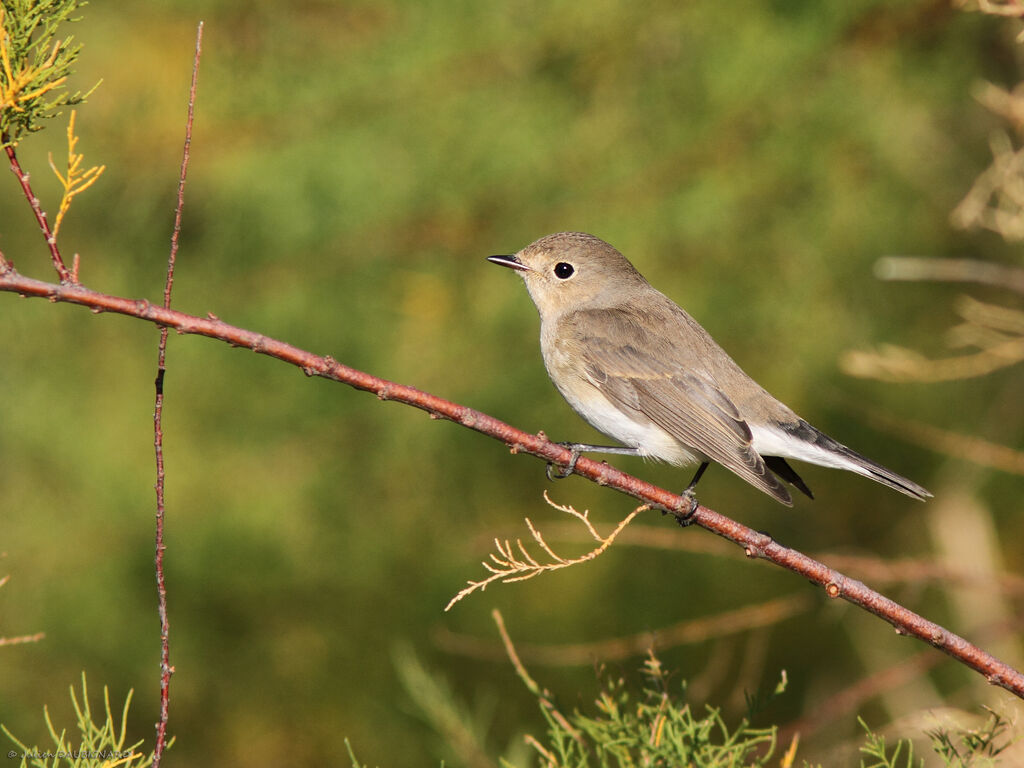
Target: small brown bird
[(642, 371)]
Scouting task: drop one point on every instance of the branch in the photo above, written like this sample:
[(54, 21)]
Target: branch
[(20, 639), (51, 240), (919, 269), (755, 545), (166, 670)]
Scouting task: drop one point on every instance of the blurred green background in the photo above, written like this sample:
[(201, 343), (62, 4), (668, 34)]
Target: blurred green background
[(352, 164)]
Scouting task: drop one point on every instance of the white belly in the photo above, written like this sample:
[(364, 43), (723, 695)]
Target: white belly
[(640, 433)]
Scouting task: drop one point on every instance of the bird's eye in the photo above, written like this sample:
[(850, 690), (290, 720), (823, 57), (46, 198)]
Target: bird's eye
[(563, 271)]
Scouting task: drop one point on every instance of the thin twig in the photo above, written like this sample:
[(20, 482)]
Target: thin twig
[(506, 566), (166, 670), (531, 684), (1012, 8), (754, 544), (917, 268), (75, 181), (899, 364), (51, 241), (19, 639)]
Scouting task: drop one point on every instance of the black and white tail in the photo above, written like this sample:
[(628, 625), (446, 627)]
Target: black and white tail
[(799, 440)]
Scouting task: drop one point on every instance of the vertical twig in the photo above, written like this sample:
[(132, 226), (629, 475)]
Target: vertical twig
[(166, 670), (542, 695), (51, 239)]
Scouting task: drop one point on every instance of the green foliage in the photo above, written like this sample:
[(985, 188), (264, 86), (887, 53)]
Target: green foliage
[(875, 749), (100, 746), (653, 728), (658, 728), (34, 64), (959, 748), (975, 746)]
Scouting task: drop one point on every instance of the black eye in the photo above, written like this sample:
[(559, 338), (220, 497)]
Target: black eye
[(563, 271)]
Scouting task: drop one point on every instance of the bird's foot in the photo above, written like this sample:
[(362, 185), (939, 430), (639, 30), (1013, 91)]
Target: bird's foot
[(685, 511), (563, 472)]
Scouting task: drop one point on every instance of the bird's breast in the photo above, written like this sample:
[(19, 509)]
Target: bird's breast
[(628, 426)]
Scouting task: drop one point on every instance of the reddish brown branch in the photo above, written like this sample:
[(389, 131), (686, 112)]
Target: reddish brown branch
[(51, 241), (166, 670), (756, 545)]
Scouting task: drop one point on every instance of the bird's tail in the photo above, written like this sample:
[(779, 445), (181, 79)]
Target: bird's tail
[(819, 448)]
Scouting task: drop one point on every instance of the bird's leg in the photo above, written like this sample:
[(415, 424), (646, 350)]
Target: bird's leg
[(685, 518), (579, 448), (696, 479)]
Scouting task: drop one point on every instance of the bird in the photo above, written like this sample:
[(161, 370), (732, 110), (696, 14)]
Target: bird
[(642, 371)]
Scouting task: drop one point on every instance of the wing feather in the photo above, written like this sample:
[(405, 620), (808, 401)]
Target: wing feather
[(686, 403)]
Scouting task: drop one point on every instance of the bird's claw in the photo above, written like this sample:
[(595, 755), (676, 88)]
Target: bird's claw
[(685, 516), (568, 469)]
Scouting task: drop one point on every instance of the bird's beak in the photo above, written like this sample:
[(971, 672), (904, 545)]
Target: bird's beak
[(509, 261)]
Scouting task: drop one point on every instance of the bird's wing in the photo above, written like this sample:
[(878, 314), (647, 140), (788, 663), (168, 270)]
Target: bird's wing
[(684, 402)]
